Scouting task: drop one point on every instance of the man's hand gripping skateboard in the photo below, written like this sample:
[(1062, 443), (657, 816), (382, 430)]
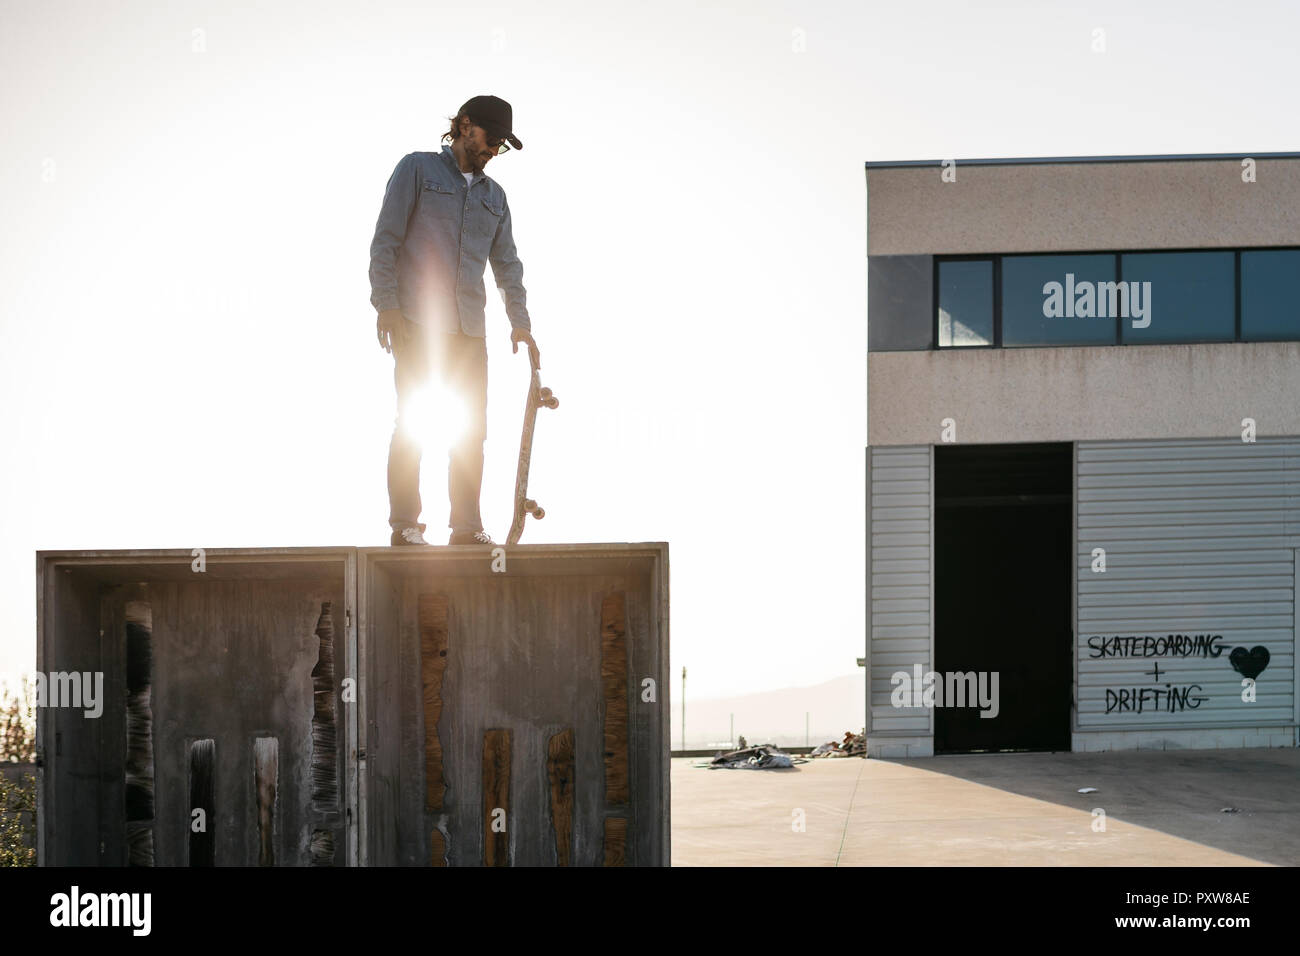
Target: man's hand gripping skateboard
[(537, 397)]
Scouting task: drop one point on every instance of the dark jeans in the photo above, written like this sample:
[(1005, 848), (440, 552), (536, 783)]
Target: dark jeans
[(459, 363)]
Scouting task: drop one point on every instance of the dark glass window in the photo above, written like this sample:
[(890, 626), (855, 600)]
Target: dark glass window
[(965, 302), (1178, 297), (1270, 308), (1057, 300)]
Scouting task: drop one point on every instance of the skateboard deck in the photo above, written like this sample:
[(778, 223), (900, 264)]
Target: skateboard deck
[(524, 506)]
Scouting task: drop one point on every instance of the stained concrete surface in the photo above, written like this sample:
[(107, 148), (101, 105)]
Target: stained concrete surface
[(1058, 207), (1161, 809)]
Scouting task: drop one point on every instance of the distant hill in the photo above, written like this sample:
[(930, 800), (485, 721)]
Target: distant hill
[(774, 716)]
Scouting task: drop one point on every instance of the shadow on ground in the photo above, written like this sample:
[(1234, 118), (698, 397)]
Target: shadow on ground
[(1180, 793)]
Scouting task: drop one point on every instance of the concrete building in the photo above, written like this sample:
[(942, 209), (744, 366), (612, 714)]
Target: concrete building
[(1083, 459)]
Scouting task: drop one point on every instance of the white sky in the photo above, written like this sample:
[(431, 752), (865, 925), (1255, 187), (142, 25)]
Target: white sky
[(188, 345)]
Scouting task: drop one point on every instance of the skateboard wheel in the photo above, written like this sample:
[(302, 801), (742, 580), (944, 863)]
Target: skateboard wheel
[(552, 402), (545, 393), (539, 514)]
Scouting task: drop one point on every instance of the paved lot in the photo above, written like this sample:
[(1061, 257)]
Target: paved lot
[(1161, 809)]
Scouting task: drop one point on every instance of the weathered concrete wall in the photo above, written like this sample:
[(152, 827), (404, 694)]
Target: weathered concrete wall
[(1076, 394), (537, 668), (231, 652), (1060, 207), (524, 654)]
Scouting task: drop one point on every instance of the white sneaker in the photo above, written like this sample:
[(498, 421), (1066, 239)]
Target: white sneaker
[(464, 537), (408, 536)]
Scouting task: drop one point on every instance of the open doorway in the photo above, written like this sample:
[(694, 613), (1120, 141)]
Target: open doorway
[(1002, 574)]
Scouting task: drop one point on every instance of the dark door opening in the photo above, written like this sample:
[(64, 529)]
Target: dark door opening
[(1002, 547)]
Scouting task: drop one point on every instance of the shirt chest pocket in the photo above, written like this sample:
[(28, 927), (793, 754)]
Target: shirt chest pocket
[(440, 201), (486, 216)]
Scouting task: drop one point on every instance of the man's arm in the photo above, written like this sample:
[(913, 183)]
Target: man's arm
[(390, 231), (509, 272)]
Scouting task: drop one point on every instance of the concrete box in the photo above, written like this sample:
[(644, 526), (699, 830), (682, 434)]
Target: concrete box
[(516, 705), (273, 706), (220, 687)]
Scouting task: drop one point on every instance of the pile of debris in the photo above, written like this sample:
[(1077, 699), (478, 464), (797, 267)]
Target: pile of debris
[(853, 745), (762, 757)]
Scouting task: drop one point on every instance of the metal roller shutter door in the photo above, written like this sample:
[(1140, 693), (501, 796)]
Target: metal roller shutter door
[(902, 538), (1199, 538)]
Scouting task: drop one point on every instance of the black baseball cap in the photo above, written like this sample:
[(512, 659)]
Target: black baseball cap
[(494, 115)]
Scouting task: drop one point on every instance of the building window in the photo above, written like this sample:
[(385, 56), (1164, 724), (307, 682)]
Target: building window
[(1270, 308), (1178, 297), (1109, 298), (1058, 300), (965, 302)]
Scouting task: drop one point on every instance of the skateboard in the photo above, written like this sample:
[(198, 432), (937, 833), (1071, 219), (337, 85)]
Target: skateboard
[(537, 397)]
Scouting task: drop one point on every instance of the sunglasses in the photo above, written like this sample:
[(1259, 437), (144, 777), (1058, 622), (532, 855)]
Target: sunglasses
[(499, 144)]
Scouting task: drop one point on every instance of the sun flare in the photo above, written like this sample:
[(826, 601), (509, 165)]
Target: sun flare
[(435, 418)]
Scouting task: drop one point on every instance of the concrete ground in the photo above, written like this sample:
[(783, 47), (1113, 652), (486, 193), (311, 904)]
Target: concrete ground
[(1161, 808)]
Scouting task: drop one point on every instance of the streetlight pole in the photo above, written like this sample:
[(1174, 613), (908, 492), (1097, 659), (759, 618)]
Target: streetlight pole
[(683, 708)]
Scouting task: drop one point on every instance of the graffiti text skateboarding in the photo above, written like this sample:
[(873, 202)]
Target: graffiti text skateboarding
[(1147, 645)]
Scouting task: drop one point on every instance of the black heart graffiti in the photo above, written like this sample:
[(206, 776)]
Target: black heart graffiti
[(1249, 663)]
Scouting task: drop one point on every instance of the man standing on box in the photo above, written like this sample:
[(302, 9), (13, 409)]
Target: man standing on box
[(443, 219)]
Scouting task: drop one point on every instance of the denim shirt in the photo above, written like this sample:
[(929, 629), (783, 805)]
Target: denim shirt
[(434, 237)]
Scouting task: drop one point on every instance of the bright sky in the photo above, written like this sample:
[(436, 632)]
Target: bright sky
[(189, 190)]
